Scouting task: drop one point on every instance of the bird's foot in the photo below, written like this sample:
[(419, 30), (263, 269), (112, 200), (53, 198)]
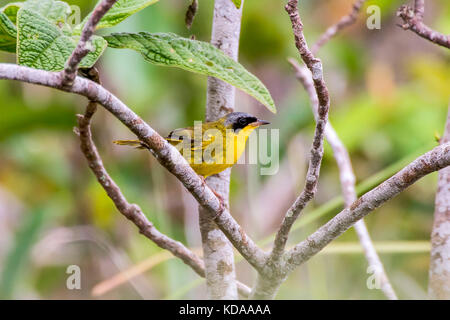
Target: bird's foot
[(222, 206), (221, 202)]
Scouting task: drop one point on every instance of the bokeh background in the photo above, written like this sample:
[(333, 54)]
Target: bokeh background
[(390, 91)]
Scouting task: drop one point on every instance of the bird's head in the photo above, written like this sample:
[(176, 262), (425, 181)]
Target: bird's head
[(240, 120)]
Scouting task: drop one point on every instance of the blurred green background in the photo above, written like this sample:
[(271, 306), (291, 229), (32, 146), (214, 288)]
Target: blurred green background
[(390, 91)]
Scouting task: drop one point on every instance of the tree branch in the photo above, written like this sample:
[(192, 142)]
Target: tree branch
[(434, 160), (131, 211), (344, 22), (413, 20), (419, 8), (439, 277), (83, 48), (220, 98), (315, 66), (166, 154), (347, 179)]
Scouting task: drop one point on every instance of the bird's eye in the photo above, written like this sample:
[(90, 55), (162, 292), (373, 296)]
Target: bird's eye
[(242, 121)]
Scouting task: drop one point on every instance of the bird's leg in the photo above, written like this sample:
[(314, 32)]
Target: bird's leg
[(222, 204), (221, 199)]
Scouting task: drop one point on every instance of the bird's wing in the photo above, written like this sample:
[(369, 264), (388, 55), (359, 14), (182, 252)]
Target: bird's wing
[(177, 136)]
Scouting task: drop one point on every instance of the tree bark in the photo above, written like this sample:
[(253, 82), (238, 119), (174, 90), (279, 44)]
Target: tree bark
[(217, 250), (439, 275)]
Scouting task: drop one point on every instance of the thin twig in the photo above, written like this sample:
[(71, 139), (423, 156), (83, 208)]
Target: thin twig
[(131, 211), (83, 47), (434, 160), (347, 179), (166, 154), (439, 274), (345, 21), (340, 152), (315, 66), (413, 20)]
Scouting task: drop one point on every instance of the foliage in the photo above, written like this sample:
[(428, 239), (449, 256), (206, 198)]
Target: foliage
[(45, 40), (8, 34), (119, 12), (168, 49), (42, 45)]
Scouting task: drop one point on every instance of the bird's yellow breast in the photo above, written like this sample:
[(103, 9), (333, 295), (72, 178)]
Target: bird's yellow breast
[(220, 155)]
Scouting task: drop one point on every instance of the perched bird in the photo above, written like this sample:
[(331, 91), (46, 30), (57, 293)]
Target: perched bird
[(211, 147)]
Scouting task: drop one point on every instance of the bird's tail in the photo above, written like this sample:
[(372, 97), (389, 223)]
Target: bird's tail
[(133, 143)]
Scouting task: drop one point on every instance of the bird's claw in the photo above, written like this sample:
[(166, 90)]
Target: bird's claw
[(222, 206)]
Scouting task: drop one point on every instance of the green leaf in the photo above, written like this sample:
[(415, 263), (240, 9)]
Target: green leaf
[(55, 11), (11, 10), (119, 12), (8, 34), (237, 3), (168, 49), (42, 45)]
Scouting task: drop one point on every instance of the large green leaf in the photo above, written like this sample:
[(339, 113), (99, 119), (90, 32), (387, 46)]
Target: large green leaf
[(119, 12), (42, 45), (8, 34), (168, 49), (53, 10)]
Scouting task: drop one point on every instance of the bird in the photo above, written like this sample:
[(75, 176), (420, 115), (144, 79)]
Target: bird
[(213, 146)]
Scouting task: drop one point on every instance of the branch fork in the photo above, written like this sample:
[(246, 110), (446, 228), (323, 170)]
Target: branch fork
[(84, 45), (413, 20)]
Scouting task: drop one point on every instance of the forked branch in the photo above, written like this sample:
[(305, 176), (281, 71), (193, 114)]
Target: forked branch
[(413, 20), (315, 66), (83, 48), (347, 179), (434, 160), (132, 211), (167, 155)]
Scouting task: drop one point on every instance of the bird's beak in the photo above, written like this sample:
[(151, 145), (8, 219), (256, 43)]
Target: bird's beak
[(259, 123)]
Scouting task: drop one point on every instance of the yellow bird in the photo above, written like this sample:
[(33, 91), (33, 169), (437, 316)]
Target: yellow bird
[(211, 147)]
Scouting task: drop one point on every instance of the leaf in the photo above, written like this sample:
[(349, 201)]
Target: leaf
[(8, 34), (168, 49), (55, 11), (42, 45), (237, 3), (119, 12), (11, 10)]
